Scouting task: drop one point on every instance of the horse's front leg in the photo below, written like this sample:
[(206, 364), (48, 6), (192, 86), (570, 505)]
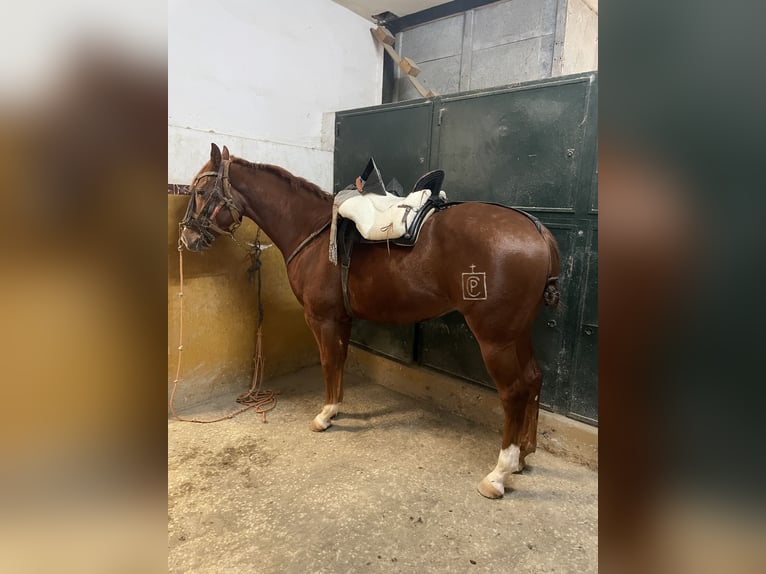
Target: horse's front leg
[(332, 338)]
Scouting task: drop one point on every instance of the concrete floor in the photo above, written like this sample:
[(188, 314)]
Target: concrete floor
[(390, 487)]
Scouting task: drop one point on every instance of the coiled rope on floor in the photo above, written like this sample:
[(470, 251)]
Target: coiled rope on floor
[(256, 398)]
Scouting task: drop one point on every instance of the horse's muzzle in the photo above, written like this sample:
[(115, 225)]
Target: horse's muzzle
[(194, 240)]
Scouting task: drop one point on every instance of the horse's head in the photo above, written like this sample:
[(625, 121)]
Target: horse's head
[(210, 191)]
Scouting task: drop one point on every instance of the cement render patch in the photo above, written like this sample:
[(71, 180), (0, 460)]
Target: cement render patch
[(390, 487)]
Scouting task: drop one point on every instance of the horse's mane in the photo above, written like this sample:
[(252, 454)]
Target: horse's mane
[(295, 181)]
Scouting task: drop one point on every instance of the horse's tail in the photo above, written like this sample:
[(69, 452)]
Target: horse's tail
[(551, 293)]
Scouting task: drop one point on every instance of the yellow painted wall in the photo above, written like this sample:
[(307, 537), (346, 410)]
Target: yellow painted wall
[(220, 316)]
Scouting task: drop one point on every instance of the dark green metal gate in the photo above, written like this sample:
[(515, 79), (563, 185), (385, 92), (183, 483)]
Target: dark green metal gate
[(531, 146)]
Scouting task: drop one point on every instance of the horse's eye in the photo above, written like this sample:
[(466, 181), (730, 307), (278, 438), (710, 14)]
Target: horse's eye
[(200, 192)]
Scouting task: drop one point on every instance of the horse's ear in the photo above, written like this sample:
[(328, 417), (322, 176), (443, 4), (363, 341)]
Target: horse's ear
[(225, 153), (215, 156)]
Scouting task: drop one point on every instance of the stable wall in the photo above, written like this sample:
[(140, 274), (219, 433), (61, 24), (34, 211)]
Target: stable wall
[(220, 317), (580, 52), (264, 78), (499, 43)]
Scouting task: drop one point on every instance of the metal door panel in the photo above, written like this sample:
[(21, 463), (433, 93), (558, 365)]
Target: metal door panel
[(511, 22), (583, 402), (531, 146), (442, 76), (447, 344), (440, 39), (509, 63), (551, 327), (398, 137), (518, 147), (393, 341)]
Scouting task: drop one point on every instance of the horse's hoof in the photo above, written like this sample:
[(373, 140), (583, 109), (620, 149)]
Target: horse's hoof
[(317, 426), (489, 490), (322, 421)]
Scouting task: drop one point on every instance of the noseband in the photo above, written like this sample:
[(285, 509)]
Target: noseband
[(219, 197)]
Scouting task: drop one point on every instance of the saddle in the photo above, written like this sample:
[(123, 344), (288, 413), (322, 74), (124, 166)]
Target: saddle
[(385, 217), (380, 215)]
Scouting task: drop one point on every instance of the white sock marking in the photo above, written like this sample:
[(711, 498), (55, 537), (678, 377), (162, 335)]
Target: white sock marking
[(328, 411), (507, 464)]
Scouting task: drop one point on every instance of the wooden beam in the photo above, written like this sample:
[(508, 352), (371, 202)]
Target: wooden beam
[(410, 68), (421, 88), (382, 35), (391, 52)]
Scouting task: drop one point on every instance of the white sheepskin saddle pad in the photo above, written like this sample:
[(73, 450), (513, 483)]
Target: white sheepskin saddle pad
[(379, 217)]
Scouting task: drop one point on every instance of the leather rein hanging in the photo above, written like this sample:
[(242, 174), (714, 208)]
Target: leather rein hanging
[(262, 400)]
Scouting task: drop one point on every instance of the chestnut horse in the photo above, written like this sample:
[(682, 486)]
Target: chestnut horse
[(491, 263)]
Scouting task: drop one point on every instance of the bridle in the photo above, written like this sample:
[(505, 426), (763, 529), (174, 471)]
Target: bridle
[(220, 196)]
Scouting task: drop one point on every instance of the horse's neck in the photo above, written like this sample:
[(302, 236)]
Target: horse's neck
[(288, 216)]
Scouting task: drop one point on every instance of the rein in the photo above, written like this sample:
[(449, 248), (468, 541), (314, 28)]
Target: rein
[(262, 401), (306, 241)]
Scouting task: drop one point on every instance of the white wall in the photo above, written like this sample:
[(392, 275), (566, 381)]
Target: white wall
[(580, 53), (263, 78)]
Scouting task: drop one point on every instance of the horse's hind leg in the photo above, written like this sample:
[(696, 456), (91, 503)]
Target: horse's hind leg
[(533, 375), (332, 338), (502, 362)]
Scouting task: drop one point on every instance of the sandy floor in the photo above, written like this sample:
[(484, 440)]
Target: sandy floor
[(391, 487)]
